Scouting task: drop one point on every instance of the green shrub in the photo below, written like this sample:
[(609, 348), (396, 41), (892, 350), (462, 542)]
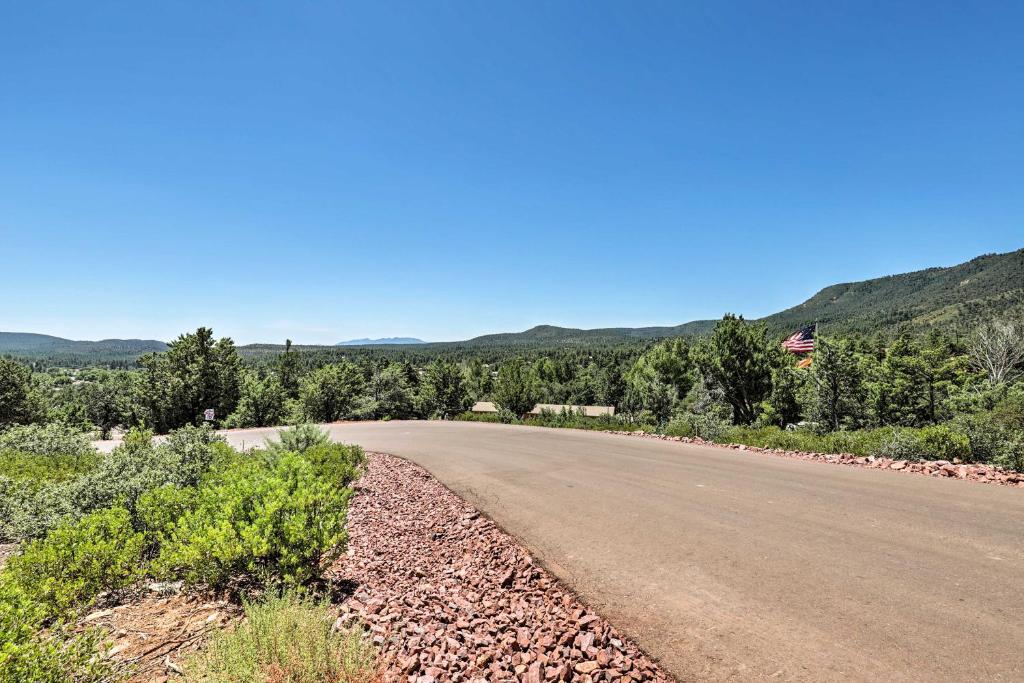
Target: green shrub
[(1009, 412), (338, 463), (900, 444), (277, 524), (470, 416), (37, 470), (138, 466), (159, 509), (942, 442), (286, 638), (681, 425), (56, 656), (298, 439), (49, 439), (77, 561), (29, 511)]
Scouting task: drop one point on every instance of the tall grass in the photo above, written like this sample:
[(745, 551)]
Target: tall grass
[(288, 638)]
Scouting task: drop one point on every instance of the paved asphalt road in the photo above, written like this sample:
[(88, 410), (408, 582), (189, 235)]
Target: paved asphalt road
[(736, 566)]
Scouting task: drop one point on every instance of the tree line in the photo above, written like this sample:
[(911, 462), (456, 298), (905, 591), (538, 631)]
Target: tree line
[(738, 374)]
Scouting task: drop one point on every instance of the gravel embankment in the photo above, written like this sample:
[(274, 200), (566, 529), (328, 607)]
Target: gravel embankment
[(448, 596), (986, 474)]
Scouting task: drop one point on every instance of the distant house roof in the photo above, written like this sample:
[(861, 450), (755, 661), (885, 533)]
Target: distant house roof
[(588, 411), (484, 407)]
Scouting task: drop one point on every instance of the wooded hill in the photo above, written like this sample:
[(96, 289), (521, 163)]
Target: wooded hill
[(957, 296), (44, 346), (953, 298)]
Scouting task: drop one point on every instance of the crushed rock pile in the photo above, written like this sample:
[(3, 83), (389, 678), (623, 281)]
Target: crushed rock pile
[(448, 596)]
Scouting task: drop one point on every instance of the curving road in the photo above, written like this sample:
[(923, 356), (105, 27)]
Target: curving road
[(728, 565)]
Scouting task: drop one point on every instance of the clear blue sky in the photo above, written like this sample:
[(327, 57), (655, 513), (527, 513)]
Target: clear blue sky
[(323, 171)]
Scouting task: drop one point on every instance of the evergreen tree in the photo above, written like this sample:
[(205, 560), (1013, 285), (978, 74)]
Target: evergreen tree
[(514, 388), (387, 394), (738, 358), (839, 384), (329, 393), (288, 370), (262, 402), (443, 390), (19, 403)]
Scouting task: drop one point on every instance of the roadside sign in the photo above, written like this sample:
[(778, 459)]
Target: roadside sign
[(208, 414)]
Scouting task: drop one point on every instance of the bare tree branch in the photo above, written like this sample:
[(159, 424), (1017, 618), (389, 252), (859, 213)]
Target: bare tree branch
[(997, 349)]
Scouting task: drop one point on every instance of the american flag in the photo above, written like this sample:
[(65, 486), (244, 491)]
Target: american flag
[(800, 341)]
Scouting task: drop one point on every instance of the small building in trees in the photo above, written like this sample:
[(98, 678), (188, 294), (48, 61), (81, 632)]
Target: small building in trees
[(584, 411)]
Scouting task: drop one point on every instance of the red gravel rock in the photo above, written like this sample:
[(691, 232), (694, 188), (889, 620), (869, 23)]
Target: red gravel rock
[(448, 596)]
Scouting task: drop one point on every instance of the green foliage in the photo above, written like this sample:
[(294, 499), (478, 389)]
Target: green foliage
[(77, 561), (278, 523), (388, 395), (19, 403), (443, 390), (159, 509), (785, 405), (514, 388), (337, 463), (899, 444), (658, 379), (138, 466), (28, 655), (839, 389), (262, 402), (48, 439), (288, 370), (329, 394), (113, 400), (37, 470), (993, 440), (196, 373), (478, 380), (739, 358), (298, 439), (942, 442), (33, 508), (288, 637)]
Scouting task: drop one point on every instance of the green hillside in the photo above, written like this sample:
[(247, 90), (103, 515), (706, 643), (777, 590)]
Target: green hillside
[(27, 345), (957, 296)]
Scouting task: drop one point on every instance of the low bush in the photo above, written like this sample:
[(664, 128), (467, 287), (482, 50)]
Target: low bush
[(137, 466), (76, 562), (56, 656), (942, 442), (278, 524), (898, 444), (681, 425), (49, 439), (299, 439), (340, 464), (28, 510), (469, 416), (36, 470), (993, 440), (286, 638)]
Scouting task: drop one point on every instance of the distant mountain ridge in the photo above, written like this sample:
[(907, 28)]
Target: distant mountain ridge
[(953, 297), (29, 344), (963, 294), (382, 340)]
